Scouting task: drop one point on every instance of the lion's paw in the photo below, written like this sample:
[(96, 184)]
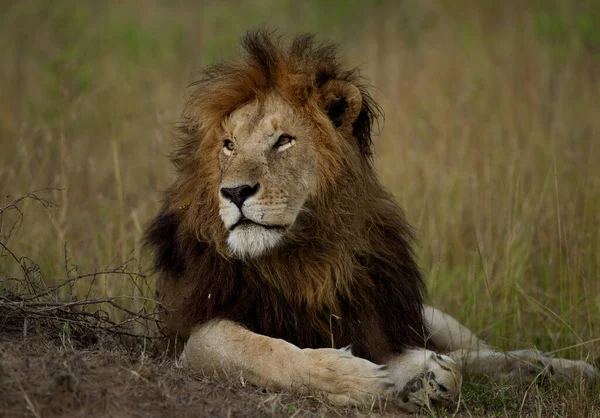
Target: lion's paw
[(439, 385), (576, 371), (529, 365), (342, 377)]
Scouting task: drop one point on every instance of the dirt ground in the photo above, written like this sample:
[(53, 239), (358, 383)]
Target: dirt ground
[(42, 377), (47, 374)]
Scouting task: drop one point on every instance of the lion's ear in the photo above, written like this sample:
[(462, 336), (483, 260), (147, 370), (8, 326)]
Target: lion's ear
[(342, 102)]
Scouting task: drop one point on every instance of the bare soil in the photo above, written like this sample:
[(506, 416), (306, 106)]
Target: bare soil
[(48, 374), (57, 377)]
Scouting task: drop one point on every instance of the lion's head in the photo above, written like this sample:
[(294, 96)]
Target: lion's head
[(271, 152), (276, 218), (271, 135)]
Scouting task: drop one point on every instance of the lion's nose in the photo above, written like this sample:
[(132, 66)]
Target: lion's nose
[(239, 194)]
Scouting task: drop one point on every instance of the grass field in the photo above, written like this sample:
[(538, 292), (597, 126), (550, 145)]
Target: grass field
[(491, 143)]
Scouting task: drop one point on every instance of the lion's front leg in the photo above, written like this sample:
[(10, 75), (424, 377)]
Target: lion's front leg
[(225, 346), (425, 379)]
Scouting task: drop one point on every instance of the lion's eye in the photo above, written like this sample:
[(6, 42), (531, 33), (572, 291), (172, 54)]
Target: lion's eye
[(284, 142), (228, 147)]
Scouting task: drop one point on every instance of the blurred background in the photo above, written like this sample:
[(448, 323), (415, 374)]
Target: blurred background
[(491, 140)]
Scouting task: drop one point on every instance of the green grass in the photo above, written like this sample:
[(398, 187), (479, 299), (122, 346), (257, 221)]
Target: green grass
[(491, 140)]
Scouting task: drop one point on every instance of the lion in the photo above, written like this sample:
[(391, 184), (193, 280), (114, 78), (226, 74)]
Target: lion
[(282, 258)]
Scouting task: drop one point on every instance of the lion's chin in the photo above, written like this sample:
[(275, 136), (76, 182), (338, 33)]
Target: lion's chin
[(250, 241)]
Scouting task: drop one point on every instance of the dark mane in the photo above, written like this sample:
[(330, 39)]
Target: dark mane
[(346, 273)]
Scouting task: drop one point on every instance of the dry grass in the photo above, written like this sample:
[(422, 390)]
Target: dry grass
[(491, 143)]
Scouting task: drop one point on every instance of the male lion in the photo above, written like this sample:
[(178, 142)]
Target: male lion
[(283, 259)]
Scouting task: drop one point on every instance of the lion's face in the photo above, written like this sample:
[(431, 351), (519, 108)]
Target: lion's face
[(268, 171)]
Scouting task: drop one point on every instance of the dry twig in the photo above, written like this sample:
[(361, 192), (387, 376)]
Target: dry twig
[(30, 302)]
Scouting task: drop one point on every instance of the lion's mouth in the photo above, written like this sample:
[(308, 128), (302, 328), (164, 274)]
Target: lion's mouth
[(246, 221)]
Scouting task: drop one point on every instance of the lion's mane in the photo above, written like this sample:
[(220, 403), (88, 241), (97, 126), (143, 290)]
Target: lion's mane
[(346, 272)]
